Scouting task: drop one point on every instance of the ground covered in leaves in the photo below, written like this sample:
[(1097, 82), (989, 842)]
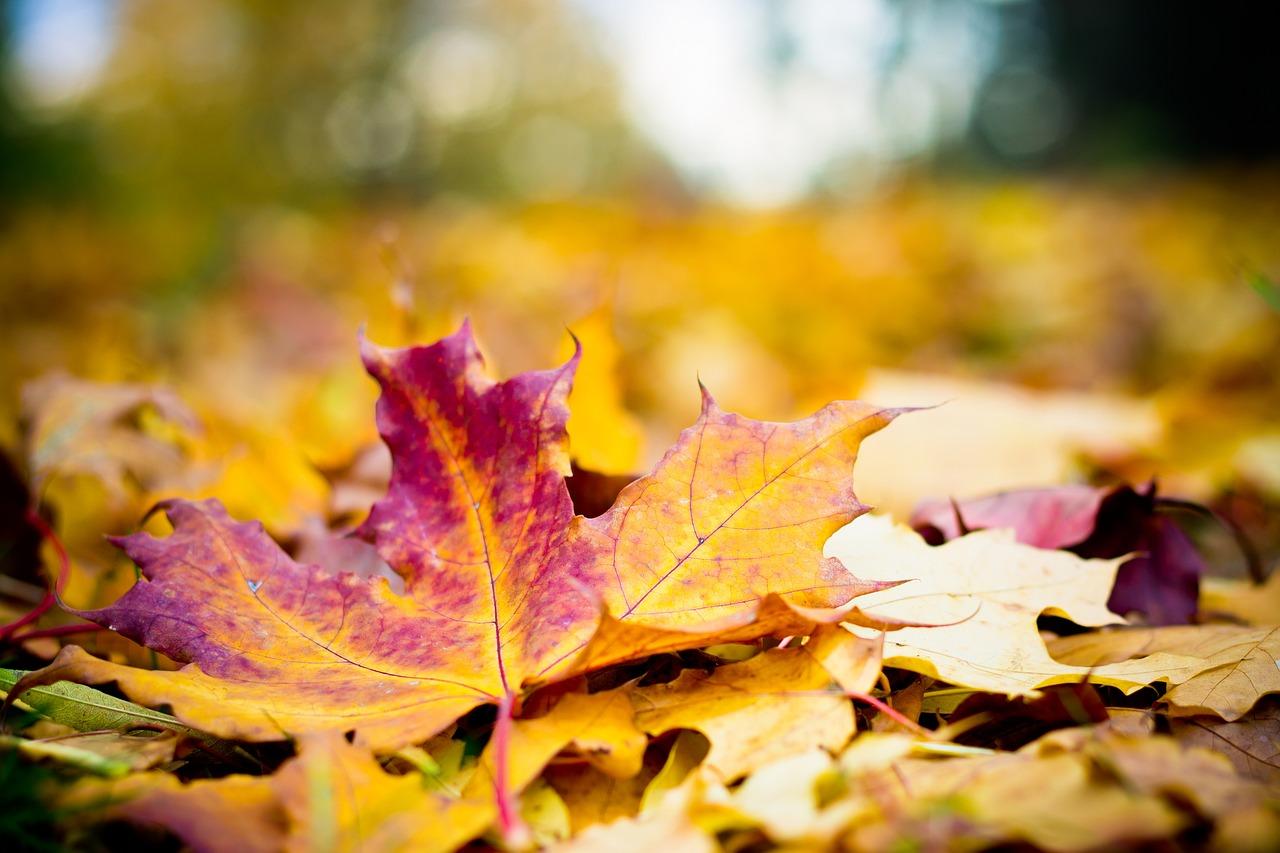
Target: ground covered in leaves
[(725, 653)]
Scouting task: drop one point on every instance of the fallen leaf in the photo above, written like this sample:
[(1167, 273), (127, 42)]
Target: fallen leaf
[(1046, 518), (1215, 669), (991, 590), (195, 812), (68, 754), (1161, 577), (102, 430), (1251, 742), (668, 827), (985, 437), (503, 584), (600, 727), (686, 755), (274, 647), (1206, 779), (771, 706), (1242, 600), (333, 796), (139, 749), (594, 797), (979, 802), (87, 710), (722, 541), (782, 797), (337, 797)]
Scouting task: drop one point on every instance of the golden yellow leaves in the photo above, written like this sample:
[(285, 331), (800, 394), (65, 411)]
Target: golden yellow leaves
[(1070, 791)]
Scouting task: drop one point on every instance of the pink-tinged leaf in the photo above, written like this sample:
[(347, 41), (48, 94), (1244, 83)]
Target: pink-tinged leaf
[(274, 648), (477, 499), (1160, 581), (1045, 518), (505, 587)]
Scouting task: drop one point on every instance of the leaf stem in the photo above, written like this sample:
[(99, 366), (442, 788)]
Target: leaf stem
[(64, 569), (514, 832), (59, 631), (888, 710)]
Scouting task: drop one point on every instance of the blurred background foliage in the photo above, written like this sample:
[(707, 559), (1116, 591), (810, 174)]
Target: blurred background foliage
[(1064, 216)]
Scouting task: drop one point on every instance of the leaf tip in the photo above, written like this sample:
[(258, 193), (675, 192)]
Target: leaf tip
[(572, 363), (709, 404)]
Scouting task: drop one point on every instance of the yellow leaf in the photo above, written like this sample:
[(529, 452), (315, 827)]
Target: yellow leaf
[(593, 797), (985, 437), (1042, 795), (763, 709), (544, 813), (686, 754), (782, 797), (1238, 599), (603, 435), (669, 828), (1216, 669), (599, 726), (333, 797), (991, 590)]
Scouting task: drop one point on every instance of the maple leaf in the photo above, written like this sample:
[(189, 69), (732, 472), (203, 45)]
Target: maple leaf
[(991, 590), (275, 647), (504, 584), (1161, 579)]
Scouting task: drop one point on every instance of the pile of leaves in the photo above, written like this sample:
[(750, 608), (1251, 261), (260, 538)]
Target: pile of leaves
[(732, 655)]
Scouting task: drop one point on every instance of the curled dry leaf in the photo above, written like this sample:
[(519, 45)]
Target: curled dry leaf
[(504, 586)]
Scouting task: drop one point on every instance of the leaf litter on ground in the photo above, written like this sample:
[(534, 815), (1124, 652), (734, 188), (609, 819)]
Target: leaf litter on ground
[(533, 649)]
